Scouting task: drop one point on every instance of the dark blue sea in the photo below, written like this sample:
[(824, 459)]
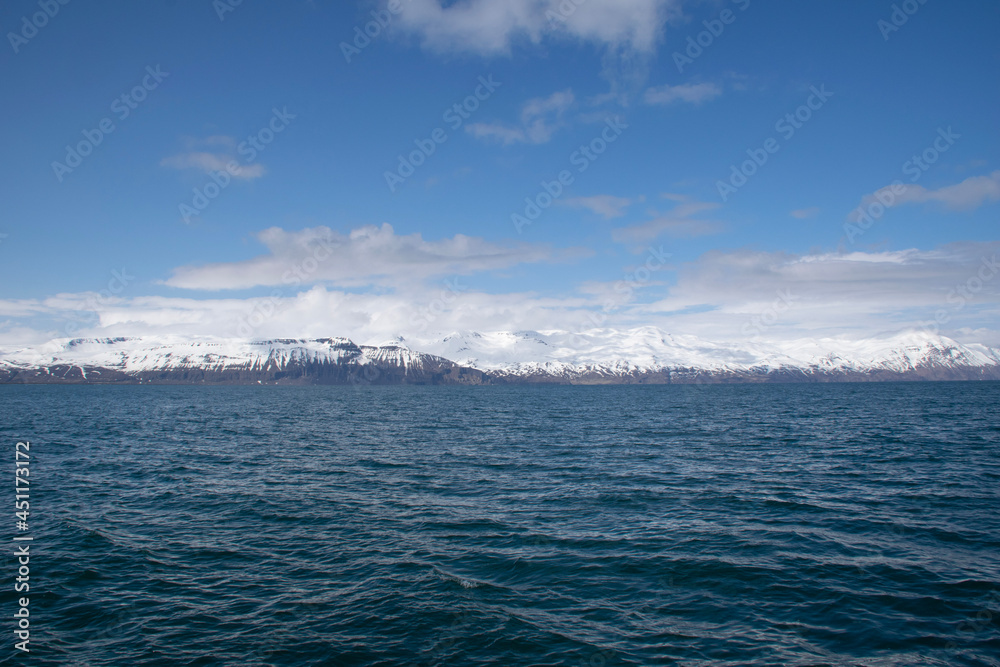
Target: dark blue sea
[(850, 524)]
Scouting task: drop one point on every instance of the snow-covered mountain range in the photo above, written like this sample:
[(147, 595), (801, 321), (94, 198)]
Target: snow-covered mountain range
[(648, 351), (642, 355), (227, 361)]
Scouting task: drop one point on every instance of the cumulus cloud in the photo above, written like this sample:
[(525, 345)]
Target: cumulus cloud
[(489, 27), (539, 119), (692, 93), (366, 256)]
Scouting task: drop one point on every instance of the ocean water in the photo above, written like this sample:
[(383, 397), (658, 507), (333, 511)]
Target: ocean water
[(586, 526)]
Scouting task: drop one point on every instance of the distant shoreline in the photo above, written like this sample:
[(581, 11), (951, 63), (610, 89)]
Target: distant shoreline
[(333, 375)]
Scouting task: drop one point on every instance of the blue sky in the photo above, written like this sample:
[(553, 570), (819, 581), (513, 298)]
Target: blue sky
[(305, 236)]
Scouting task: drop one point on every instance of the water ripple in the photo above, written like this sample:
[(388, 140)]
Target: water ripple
[(583, 526)]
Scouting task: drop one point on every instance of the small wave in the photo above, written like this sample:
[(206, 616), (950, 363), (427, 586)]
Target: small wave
[(464, 582)]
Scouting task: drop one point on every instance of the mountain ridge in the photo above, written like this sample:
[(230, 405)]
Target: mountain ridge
[(643, 355)]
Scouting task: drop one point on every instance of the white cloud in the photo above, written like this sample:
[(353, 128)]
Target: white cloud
[(490, 27), (368, 255), (604, 205), (539, 119), (970, 194), (430, 310), (692, 93), (858, 294)]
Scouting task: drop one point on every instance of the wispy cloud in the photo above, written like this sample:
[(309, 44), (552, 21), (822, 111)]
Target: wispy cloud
[(208, 161), (679, 222), (607, 206), (968, 195), (692, 93), (366, 256), (504, 134), (805, 213), (539, 119)]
